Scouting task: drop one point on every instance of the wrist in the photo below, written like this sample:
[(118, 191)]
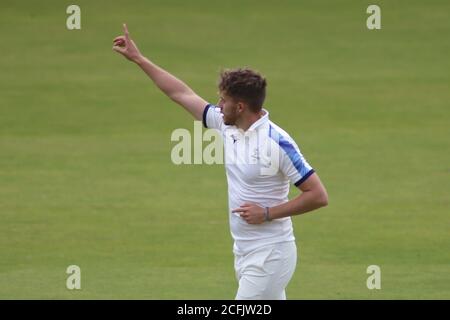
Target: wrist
[(139, 60)]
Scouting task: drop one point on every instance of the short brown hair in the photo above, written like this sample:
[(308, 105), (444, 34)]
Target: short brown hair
[(244, 84)]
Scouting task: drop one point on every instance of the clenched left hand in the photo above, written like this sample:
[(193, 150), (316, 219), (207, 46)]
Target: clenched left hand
[(251, 212)]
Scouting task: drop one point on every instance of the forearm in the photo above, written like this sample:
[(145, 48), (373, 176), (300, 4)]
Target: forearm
[(165, 81), (305, 202), (313, 196)]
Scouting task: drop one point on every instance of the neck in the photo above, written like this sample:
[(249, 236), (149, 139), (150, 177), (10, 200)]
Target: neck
[(246, 122)]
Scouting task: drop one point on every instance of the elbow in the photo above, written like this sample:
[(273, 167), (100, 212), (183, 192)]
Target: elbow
[(322, 199)]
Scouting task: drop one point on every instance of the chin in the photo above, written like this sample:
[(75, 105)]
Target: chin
[(228, 122)]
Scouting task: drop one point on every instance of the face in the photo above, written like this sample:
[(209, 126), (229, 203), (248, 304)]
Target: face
[(229, 109)]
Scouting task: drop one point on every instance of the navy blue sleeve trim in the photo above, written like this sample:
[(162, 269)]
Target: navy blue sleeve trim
[(303, 179), (205, 111)]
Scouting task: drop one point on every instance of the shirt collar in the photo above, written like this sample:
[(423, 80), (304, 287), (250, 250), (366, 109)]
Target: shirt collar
[(260, 121)]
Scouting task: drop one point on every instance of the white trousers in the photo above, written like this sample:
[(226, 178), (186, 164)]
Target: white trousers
[(264, 273)]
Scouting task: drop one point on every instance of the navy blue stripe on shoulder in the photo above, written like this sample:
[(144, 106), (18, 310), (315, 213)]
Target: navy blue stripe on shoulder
[(205, 111), (303, 179)]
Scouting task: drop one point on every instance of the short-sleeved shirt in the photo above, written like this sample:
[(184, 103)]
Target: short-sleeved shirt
[(260, 164)]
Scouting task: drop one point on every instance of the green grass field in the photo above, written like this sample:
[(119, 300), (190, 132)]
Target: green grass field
[(85, 170)]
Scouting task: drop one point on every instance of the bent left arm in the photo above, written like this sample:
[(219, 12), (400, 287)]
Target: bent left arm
[(313, 196)]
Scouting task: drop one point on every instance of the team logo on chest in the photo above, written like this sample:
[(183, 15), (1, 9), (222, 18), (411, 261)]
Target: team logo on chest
[(234, 137)]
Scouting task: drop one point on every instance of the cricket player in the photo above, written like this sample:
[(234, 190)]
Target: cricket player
[(261, 162)]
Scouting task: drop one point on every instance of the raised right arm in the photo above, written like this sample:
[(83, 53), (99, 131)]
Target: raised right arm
[(173, 87)]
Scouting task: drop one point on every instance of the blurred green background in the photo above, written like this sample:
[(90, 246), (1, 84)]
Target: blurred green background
[(85, 170)]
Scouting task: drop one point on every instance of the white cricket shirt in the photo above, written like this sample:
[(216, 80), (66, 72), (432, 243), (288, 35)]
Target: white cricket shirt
[(260, 164)]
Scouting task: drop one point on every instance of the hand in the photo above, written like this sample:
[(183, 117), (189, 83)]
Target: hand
[(251, 212), (125, 46)]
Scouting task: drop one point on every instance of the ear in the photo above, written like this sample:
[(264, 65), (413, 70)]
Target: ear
[(241, 106)]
